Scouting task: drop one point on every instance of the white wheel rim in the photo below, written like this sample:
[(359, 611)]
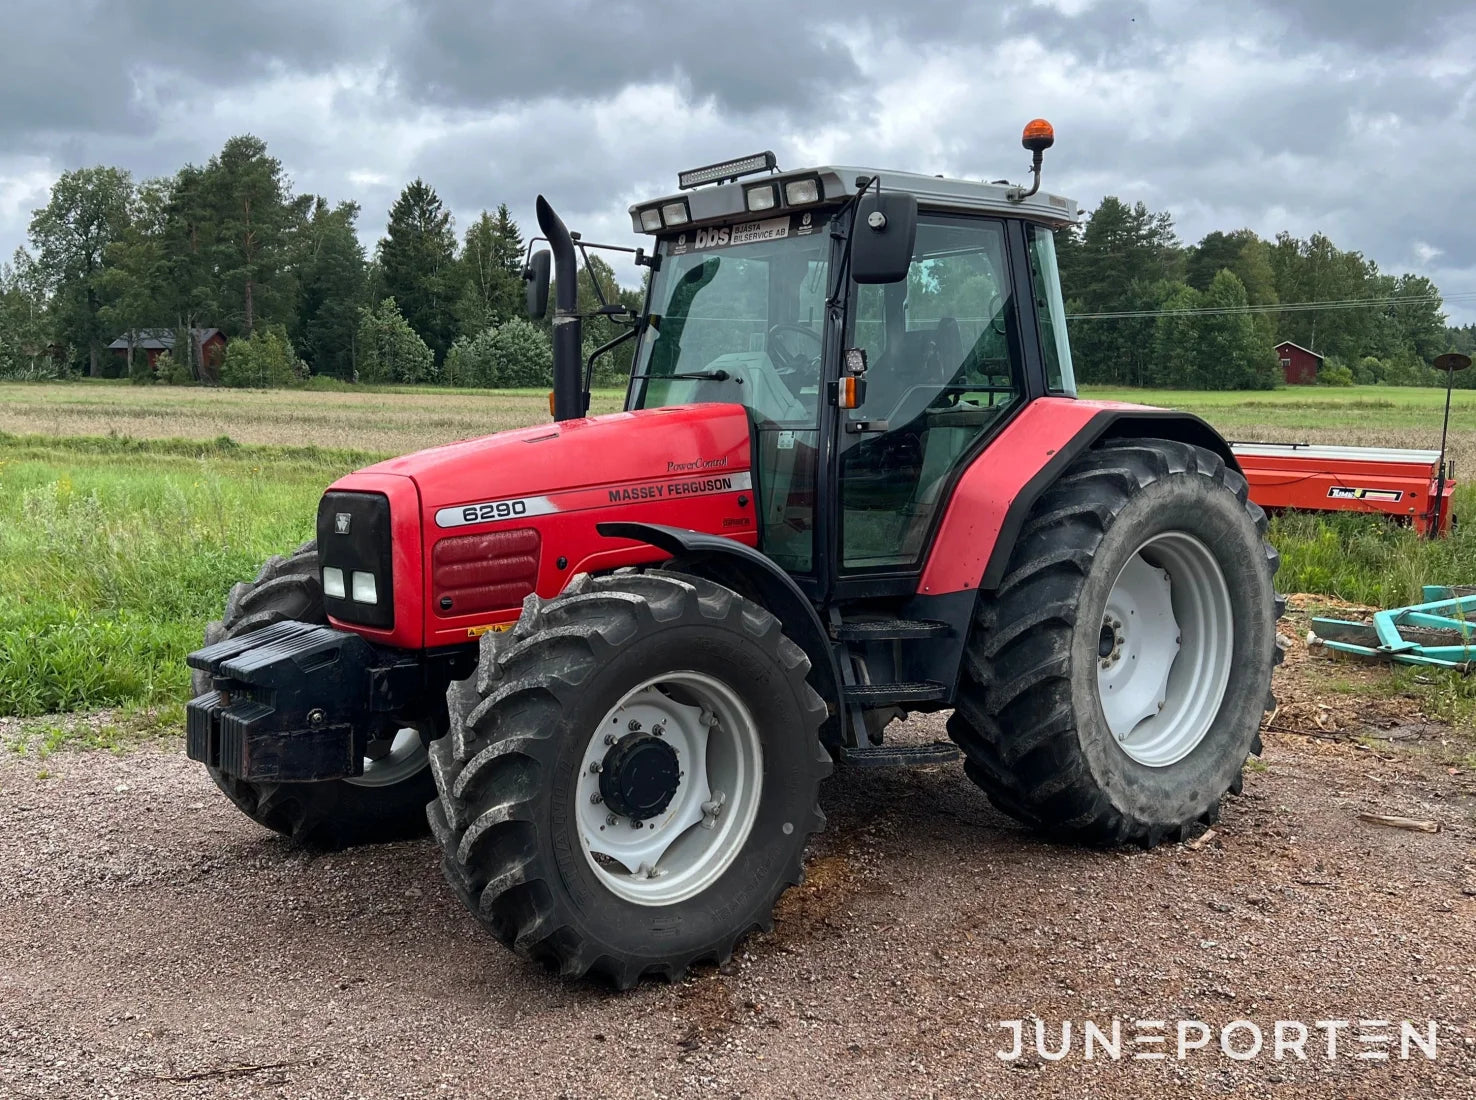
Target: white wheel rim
[(406, 756), (1164, 649), (681, 851)]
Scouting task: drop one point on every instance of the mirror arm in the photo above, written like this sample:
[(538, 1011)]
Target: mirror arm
[(607, 346)]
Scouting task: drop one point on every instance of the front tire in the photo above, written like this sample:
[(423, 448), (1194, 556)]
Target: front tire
[(388, 801), (631, 776), (1114, 684)]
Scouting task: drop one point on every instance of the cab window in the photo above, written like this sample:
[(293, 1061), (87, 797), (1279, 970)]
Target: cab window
[(943, 349)]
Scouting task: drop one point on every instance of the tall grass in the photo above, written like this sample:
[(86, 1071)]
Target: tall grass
[(114, 556)]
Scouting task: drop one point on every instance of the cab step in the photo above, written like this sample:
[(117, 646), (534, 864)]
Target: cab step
[(889, 756), (868, 696), (888, 630)]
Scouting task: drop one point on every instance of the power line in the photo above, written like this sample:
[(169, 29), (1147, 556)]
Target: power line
[(1284, 307)]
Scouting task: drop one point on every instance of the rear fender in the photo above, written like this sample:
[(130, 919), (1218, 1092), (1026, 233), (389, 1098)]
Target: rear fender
[(756, 577), (994, 495)]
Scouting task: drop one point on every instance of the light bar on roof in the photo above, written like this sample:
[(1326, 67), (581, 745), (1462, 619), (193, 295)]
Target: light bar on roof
[(726, 170)]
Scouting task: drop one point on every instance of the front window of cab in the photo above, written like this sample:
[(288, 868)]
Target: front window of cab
[(736, 316)]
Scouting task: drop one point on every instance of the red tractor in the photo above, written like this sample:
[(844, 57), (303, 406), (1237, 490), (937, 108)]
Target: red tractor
[(618, 654)]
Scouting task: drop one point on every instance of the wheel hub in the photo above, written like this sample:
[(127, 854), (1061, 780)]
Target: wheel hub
[(639, 776), (1164, 649)]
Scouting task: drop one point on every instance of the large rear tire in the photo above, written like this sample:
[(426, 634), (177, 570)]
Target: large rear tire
[(631, 776), (388, 801), (1114, 683)]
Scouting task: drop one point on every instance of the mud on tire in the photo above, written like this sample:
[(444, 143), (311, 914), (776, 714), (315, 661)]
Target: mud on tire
[(331, 814), (512, 773), (1028, 715)]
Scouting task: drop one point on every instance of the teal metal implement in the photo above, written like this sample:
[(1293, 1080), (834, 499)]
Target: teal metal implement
[(1440, 631)]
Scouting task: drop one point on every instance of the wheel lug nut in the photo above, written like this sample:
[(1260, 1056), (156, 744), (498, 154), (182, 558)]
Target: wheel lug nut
[(633, 726), (636, 825), (597, 798), (594, 768), (611, 819), (609, 739)]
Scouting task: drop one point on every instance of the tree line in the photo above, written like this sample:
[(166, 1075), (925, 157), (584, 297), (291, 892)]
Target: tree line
[(1145, 310), (284, 276)]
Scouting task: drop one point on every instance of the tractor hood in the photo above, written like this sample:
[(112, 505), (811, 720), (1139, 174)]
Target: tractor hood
[(481, 524), (592, 452)]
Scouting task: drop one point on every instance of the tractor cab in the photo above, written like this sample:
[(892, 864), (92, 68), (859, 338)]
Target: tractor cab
[(879, 327)]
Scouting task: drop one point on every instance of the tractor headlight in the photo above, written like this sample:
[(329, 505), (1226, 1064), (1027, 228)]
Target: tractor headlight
[(651, 219), (762, 197), (800, 192), (364, 588), (675, 213), (333, 583)]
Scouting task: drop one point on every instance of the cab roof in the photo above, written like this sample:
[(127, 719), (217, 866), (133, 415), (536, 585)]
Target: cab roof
[(726, 201)]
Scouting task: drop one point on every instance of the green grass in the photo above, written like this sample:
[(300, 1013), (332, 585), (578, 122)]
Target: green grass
[(116, 551), (114, 554)]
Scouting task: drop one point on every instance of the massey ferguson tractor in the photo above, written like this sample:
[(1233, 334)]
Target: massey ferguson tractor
[(617, 655)]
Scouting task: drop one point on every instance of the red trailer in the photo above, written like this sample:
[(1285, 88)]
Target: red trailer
[(1402, 484)]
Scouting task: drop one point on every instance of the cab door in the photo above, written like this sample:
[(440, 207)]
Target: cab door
[(947, 369)]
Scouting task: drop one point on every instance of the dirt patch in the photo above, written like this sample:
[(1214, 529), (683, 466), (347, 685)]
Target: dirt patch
[(155, 943)]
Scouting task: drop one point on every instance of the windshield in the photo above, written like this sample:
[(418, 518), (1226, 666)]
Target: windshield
[(736, 316)]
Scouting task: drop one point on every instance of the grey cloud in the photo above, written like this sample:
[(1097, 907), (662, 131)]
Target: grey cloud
[(497, 101)]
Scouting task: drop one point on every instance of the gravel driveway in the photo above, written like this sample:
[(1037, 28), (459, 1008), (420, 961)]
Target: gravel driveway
[(154, 942)]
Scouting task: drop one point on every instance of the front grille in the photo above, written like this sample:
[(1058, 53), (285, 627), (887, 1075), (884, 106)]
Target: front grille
[(354, 535), (490, 572)]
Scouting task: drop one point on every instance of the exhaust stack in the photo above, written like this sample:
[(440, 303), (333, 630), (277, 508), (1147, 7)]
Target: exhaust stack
[(568, 343)]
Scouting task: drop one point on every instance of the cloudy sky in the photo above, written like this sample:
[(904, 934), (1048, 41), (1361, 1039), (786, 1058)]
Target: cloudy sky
[(1354, 117)]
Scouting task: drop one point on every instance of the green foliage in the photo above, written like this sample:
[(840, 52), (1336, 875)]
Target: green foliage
[(112, 559), (389, 350), (332, 290), (263, 360), (491, 273), (514, 354), (1332, 371), (246, 197), (88, 210), (417, 256), (25, 324)]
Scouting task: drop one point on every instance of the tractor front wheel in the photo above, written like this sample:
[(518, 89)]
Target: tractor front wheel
[(1114, 683), (631, 776), (387, 802)]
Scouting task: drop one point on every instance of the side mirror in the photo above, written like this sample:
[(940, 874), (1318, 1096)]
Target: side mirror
[(536, 276), (881, 242)]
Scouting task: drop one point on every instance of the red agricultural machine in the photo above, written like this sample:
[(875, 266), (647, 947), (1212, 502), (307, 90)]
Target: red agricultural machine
[(617, 655)]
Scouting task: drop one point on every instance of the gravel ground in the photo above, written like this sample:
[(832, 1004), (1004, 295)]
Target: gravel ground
[(153, 942)]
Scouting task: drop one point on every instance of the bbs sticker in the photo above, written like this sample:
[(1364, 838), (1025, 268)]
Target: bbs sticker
[(492, 511)]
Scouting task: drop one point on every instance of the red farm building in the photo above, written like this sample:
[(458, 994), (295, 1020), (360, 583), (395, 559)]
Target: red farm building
[(154, 342), (1298, 364)]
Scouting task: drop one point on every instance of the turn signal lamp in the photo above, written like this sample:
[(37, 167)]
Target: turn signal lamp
[(1039, 135)]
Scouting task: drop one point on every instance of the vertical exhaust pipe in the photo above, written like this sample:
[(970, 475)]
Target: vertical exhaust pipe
[(568, 342)]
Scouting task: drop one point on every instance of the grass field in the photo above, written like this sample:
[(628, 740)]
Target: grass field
[(126, 513)]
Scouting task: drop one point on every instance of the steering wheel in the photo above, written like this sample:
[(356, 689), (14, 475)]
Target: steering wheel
[(788, 362)]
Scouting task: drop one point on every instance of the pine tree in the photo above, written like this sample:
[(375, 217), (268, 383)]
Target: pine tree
[(332, 291), (417, 256)]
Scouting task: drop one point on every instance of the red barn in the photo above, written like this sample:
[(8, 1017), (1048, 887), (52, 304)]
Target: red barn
[(154, 342), (1298, 364)]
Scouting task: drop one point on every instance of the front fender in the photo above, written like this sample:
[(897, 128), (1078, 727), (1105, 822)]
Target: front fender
[(755, 576)]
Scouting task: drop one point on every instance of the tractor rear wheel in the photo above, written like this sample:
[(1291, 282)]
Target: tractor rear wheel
[(631, 776), (1113, 685), (388, 801)]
